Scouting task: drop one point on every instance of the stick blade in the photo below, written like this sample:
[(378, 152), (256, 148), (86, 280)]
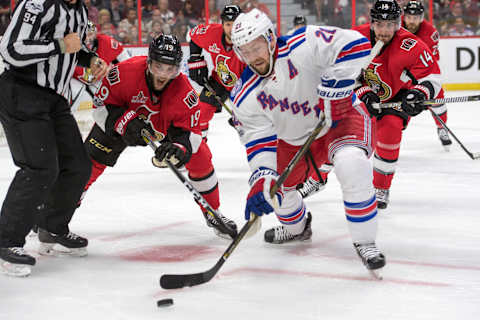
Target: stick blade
[(177, 281)]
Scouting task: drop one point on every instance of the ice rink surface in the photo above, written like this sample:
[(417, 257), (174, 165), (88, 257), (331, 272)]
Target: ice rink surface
[(142, 223)]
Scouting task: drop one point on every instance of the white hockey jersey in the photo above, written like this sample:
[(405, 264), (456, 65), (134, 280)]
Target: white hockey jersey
[(285, 105)]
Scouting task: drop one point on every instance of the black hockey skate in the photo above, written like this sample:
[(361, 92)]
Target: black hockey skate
[(67, 244), (280, 234), (16, 262), (310, 187), (444, 138), (212, 223), (382, 198), (371, 257)]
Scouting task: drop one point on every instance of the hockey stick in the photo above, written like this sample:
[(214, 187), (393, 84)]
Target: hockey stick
[(397, 105), (150, 140), (176, 281), (474, 155), (210, 89)]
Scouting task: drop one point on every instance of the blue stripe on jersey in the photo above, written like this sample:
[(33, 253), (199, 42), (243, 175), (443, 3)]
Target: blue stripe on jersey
[(261, 140), (354, 43), (245, 94), (290, 49), (254, 153), (353, 56)]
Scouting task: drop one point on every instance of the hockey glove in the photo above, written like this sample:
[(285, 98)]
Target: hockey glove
[(177, 153), (129, 126), (412, 102), (338, 93), (369, 97), (259, 202), (197, 69)]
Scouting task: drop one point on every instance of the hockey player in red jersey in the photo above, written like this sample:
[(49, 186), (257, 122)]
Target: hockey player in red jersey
[(414, 22), (151, 93), (214, 39), (109, 49), (405, 71)]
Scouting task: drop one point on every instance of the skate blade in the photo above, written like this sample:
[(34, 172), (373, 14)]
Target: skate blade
[(57, 250), (446, 147), (376, 274), (15, 270)]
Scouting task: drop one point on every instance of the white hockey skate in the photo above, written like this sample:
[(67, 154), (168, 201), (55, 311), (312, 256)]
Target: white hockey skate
[(371, 257), (280, 234)]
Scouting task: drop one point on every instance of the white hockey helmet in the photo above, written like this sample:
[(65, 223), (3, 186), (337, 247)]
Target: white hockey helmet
[(248, 27)]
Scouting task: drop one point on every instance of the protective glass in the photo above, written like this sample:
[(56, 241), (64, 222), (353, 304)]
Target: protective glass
[(163, 70)]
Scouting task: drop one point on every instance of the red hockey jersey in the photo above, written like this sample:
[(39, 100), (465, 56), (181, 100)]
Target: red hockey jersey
[(227, 67), (401, 64), (125, 86), (107, 48), (428, 34)]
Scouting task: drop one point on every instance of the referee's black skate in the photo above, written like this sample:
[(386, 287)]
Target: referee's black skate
[(280, 234), (66, 244), (16, 262), (212, 223)]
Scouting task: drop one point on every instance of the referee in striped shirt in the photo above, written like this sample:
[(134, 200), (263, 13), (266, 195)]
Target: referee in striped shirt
[(40, 48)]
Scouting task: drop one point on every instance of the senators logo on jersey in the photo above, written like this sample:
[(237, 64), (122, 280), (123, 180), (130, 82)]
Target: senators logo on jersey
[(227, 77), (146, 114), (374, 81)]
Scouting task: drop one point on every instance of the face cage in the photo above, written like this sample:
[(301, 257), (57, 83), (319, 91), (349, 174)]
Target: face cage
[(397, 27), (271, 51), (159, 73)]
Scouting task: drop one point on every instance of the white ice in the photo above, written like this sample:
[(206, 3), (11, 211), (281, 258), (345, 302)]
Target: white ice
[(142, 223)]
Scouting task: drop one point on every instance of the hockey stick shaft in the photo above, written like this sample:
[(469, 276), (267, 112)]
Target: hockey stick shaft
[(150, 140), (210, 89), (397, 105), (473, 156)]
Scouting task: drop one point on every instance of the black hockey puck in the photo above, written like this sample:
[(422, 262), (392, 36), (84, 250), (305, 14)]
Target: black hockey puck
[(164, 303)]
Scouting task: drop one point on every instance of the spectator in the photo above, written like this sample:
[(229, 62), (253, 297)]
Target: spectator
[(105, 25), (168, 16), (156, 30), (157, 16), (460, 29), (116, 11), (180, 31), (147, 10), (4, 15), (129, 4), (92, 11), (190, 15)]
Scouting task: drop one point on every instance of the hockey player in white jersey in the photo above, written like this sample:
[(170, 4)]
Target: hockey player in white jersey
[(289, 84)]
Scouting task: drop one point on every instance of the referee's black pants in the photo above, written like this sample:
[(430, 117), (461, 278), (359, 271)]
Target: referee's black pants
[(46, 145)]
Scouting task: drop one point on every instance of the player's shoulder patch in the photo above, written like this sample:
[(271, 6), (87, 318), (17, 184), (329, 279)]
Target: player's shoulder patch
[(408, 44), (34, 6), (191, 100), (113, 76), (435, 36), (199, 30), (114, 44)]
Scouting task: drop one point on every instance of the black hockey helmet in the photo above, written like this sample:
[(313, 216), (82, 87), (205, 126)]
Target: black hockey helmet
[(414, 8), (299, 20), (230, 12), (385, 10), (165, 49)]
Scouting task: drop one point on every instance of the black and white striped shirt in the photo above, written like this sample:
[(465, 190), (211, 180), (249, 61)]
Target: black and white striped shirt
[(30, 46)]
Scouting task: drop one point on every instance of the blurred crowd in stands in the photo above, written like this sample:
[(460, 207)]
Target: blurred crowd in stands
[(119, 18)]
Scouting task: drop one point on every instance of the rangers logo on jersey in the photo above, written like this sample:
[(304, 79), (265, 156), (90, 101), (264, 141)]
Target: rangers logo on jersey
[(227, 77), (374, 81)]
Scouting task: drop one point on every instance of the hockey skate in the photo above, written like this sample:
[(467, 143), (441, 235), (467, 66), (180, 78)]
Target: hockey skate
[(68, 244), (212, 223), (371, 257), (310, 187), (382, 197), (444, 138), (16, 262), (280, 234)]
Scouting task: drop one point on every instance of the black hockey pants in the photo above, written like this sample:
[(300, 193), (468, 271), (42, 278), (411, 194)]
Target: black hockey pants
[(46, 145)]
